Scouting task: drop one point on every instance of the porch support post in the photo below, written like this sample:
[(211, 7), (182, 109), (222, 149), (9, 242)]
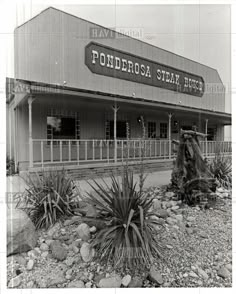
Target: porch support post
[(206, 125), (115, 109), (30, 101), (169, 133)]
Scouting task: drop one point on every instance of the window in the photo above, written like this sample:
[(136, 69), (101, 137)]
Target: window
[(163, 130), (151, 129), (211, 134), (120, 130), (63, 128)]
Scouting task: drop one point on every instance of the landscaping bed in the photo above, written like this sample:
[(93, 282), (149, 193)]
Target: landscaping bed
[(197, 246)]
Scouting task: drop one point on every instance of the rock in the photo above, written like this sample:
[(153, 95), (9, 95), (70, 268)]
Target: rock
[(83, 232), (21, 233), (44, 247), (176, 207), (136, 282), (179, 217), (53, 230), (30, 284), (126, 280), (111, 282), (191, 219), (202, 273), (203, 235), (20, 260), (75, 249), (30, 264), (155, 276), (58, 251), (169, 246), (76, 284), (162, 213), (56, 280), (223, 273), (69, 261), (189, 231), (169, 194), (15, 282), (220, 190), (185, 275), (156, 204), (93, 229), (87, 252), (44, 254), (48, 241), (67, 222), (193, 275), (88, 285), (171, 220), (229, 267), (225, 195)]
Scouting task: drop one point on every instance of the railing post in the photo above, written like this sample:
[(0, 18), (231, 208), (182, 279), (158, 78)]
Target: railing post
[(169, 133), (30, 101), (206, 147), (115, 109)]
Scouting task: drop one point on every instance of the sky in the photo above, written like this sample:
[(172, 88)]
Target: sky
[(198, 32)]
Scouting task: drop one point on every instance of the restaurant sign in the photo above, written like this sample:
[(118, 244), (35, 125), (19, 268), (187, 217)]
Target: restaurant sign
[(110, 62)]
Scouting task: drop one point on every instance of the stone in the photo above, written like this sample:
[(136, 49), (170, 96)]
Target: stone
[(111, 282), (44, 247), (220, 190), (88, 285), (30, 264), (93, 229), (223, 272), (91, 211), (87, 252), (185, 275), (156, 204), (21, 233), (171, 220), (44, 254), (225, 195), (229, 267), (179, 217), (15, 282), (176, 207), (193, 275), (202, 273), (56, 280), (48, 241), (83, 232), (136, 282), (126, 280), (21, 260), (189, 231), (155, 276), (191, 219), (169, 246), (162, 213), (58, 251), (75, 249), (54, 229), (169, 194), (30, 284), (203, 235), (76, 284), (69, 261)]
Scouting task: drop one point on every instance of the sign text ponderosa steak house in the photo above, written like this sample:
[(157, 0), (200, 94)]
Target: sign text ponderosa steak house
[(110, 62)]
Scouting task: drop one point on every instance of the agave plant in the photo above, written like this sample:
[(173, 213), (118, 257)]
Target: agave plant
[(129, 234), (49, 196), (221, 168)]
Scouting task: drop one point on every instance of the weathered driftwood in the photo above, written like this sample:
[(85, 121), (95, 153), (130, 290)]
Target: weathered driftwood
[(190, 172)]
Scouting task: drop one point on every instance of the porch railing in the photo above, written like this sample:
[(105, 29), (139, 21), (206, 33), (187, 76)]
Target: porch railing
[(76, 152)]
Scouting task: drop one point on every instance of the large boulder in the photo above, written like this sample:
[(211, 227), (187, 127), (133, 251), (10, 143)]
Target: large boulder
[(21, 233)]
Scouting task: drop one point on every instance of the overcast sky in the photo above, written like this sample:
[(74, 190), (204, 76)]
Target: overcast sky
[(198, 32)]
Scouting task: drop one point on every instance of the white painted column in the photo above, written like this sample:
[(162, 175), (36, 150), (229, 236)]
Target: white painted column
[(30, 101), (115, 109), (206, 126), (169, 133)]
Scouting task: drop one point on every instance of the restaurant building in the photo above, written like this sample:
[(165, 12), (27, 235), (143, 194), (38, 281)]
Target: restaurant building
[(82, 91)]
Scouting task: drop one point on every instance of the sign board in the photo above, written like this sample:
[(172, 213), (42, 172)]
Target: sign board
[(114, 63)]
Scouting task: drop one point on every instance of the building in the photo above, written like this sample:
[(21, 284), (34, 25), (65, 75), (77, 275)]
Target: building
[(80, 87)]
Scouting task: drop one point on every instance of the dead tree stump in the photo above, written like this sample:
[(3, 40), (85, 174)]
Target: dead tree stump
[(191, 175)]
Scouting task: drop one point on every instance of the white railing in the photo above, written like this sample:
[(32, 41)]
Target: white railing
[(48, 152)]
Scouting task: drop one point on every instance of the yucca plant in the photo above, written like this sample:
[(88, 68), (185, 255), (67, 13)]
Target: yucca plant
[(49, 196), (130, 229), (221, 168)]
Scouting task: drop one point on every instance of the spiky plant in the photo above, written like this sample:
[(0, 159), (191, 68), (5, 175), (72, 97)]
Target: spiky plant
[(129, 236), (49, 196), (221, 168)]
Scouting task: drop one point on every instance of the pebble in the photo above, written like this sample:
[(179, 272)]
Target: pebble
[(155, 276), (203, 235), (126, 280), (44, 247), (83, 232), (223, 273), (229, 267), (185, 275), (190, 219), (44, 254), (30, 264), (136, 282), (75, 249), (15, 282), (93, 229), (76, 284), (193, 275), (111, 282), (202, 273), (88, 285), (87, 252)]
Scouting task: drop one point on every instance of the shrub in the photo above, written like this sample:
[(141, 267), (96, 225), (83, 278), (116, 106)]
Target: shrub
[(10, 165), (48, 197), (129, 236), (221, 168)]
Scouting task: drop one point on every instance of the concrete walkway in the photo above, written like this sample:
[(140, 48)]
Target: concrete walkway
[(16, 184)]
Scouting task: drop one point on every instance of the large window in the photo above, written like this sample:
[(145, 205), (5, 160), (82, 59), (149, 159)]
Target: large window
[(121, 128), (63, 128), (163, 130), (151, 129)]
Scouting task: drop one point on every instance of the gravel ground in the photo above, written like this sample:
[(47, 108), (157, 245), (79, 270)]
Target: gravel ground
[(198, 247)]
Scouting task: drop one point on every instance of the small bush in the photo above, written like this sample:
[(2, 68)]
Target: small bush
[(221, 168), (10, 165), (129, 236), (49, 197)]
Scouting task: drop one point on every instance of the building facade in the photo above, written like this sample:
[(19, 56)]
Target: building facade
[(82, 94)]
